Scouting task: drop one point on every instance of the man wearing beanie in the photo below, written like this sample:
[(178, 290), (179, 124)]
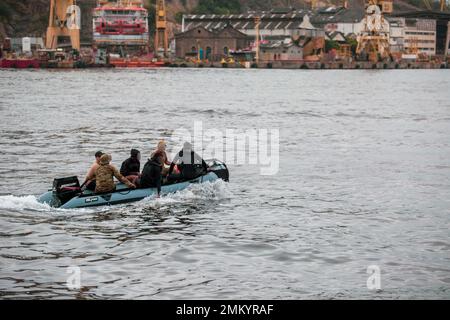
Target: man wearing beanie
[(132, 166)]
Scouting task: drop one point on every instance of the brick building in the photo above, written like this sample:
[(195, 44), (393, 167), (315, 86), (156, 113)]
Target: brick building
[(210, 44)]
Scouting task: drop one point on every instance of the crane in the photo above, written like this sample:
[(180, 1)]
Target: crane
[(373, 40), (64, 20), (161, 36)]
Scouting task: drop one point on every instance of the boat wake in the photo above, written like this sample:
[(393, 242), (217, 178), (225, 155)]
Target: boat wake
[(208, 191), (22, 203), (217, 190)]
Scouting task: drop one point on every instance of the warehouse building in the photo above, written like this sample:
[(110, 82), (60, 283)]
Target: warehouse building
[(209, 44), (285, 34), (277, 24)]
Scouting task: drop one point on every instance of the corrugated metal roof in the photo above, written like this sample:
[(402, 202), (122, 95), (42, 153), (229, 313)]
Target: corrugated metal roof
[(275, 21)]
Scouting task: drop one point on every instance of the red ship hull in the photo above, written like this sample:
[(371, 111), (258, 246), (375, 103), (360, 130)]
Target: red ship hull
[(19, 63)]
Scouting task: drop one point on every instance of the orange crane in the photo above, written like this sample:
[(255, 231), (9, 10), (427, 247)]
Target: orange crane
[(161, 36), (64, 21)]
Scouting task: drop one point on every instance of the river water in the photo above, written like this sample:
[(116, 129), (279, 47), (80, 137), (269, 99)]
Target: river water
[(363, 186)]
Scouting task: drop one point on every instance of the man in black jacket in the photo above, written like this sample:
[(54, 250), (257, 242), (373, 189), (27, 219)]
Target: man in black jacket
[(132, 166), (151, 174)]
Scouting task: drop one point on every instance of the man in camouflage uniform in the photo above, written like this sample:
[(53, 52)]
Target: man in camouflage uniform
[(104, 176)]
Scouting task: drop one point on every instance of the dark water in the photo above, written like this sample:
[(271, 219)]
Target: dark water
[(364, 180)]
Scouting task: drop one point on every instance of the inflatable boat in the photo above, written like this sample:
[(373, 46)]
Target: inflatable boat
[(67, 193)]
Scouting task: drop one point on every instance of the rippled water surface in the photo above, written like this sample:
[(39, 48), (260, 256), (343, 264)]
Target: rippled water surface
[(364, 180)]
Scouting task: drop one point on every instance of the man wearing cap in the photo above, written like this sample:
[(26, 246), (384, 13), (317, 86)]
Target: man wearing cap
[(104, 176), (90, 183)]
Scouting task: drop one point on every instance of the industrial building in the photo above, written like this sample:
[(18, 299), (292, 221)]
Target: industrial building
[(286, 50), (397, 35), (407, 30), (420, 36), (210, 44), (341, 19), (276, 24), (419, 32), (442, 28), (285, 34)]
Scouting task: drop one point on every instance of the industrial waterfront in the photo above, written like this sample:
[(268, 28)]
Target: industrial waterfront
[(363, 181), (341, 34)]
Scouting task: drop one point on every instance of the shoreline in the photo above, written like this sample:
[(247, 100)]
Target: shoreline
[(357, 65), (280, 65)]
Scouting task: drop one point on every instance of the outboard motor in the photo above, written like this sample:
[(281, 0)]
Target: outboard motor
[(220, 169), (65, 189)]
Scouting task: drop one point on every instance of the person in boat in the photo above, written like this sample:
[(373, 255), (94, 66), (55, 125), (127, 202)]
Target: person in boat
[(161, 152), (151, 176), (189, 163), (131, 167), (90, 183), (104, 176)]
